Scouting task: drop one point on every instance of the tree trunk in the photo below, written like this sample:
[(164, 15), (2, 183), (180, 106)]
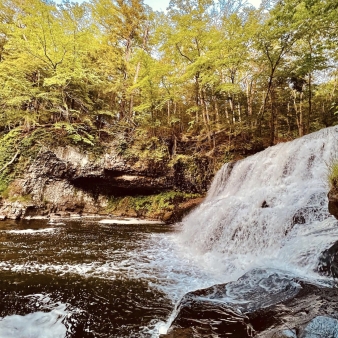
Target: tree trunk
[(272, 120), (310, 105)]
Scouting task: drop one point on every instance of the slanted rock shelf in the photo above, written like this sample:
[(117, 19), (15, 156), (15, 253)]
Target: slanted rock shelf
[(291, 308)]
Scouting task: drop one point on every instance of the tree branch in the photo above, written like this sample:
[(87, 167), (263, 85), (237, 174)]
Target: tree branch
[(179, 50), (10, 162)]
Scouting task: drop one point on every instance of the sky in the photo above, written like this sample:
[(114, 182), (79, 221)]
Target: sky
[(163, 4)]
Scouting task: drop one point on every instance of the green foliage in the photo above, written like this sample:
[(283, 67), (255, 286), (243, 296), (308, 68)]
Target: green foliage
[(92, 73), (152, 206), (143, 147), (76, 133)]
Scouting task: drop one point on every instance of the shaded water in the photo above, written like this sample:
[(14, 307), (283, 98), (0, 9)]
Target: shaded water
[(86, 279)]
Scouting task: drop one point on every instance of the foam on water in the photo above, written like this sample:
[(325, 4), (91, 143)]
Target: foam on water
[(50, 322), (134, 221), (31, 231), (270, 208)]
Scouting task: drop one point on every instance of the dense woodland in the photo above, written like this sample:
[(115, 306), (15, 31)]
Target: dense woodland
[(204, 73)]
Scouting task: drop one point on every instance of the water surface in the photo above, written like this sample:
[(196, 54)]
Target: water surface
[(88, 279)]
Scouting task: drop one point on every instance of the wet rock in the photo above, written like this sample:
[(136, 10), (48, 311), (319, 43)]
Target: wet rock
[(328, 262), (206, 320), (298, 218), (260, 304), (320, 327), (181, 210), (285, 334), (265, 205), (333, 202), (168, 216)]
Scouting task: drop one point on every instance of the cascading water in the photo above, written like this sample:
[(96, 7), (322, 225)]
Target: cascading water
[(268, 209), (264, 220)]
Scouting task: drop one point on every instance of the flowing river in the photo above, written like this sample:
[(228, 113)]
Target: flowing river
[(84, 278)]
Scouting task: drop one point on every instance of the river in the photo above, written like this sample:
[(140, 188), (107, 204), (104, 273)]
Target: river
[(82, 278)]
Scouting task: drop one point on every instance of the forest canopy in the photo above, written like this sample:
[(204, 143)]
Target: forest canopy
[(115, 69)]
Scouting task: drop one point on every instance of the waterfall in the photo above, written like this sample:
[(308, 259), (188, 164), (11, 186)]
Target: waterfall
[(268, 209)]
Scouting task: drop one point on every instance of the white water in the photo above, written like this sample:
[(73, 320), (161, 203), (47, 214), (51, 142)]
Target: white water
[(227, 236), (270, 209), (47, 323)]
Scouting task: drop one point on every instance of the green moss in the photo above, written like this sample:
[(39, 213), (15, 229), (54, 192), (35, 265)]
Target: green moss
[(22, 199), (153, 206), (194, 172)]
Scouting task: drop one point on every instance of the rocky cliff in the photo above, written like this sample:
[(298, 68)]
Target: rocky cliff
[(65, 180)]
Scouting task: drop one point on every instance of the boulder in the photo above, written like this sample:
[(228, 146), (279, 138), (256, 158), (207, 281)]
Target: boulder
[(262, 304), (181, 210), (12, 210), (328, 262), (333, 202)]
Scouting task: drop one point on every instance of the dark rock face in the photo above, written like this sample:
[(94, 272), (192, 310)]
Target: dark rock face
[(333, 202), (67, 180), (328, 262), (262, 303), (106, 175)]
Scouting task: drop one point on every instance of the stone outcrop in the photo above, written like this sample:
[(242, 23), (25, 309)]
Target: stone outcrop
[(181, 210), (328, 262), (271, 306), (14, 210), (66, 180), (333, 202)]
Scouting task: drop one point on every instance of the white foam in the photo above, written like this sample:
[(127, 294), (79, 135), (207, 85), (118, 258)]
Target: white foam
[(38, 324), (260, 209), (130, 221), (31, 231)]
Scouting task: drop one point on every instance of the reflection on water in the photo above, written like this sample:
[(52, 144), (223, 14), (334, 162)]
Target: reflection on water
[(89, 279)]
